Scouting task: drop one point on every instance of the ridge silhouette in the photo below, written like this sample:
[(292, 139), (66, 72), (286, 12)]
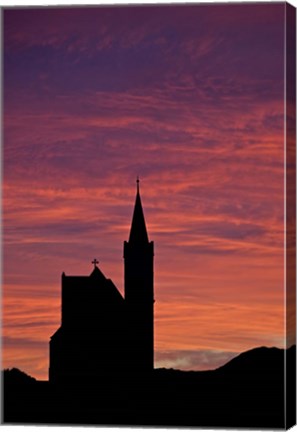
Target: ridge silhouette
[(248, 391)]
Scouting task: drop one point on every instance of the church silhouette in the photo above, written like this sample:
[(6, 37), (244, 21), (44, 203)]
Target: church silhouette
[(103, 334)]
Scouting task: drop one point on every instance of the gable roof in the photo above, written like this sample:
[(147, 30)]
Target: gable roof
[(103, 290)]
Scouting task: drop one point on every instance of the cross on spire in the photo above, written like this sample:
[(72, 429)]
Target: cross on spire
[(137, 182), (95, 262)]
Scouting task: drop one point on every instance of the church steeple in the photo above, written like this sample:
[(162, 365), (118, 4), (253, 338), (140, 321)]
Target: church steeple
[(138, 232), (139, 289)]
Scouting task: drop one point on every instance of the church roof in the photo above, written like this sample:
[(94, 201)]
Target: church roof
[(97, 273), (103, 289), (138, 232), (107, 291)]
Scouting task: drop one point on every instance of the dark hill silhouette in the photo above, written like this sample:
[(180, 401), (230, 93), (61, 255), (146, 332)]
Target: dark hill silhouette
[(254, 360), (16, 377), (248, 391)]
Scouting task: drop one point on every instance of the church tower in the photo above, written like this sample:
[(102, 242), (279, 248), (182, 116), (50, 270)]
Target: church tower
[(139, 290)]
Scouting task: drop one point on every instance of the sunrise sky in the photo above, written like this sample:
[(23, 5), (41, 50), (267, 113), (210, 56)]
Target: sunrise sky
[(191, 99)]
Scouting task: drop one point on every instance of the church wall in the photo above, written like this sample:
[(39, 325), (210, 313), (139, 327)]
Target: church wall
[(101, 333)]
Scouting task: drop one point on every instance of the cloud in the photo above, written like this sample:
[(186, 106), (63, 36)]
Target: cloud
[(201, 325), (193, 360), (27, 344)]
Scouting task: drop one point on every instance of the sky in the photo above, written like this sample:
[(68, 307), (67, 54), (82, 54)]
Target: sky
[(191, 99)]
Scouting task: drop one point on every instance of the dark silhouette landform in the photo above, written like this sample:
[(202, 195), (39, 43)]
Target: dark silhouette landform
[(101, 369), (249, 391)]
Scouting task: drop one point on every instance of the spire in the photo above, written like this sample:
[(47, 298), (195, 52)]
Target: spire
[(138, 233)]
